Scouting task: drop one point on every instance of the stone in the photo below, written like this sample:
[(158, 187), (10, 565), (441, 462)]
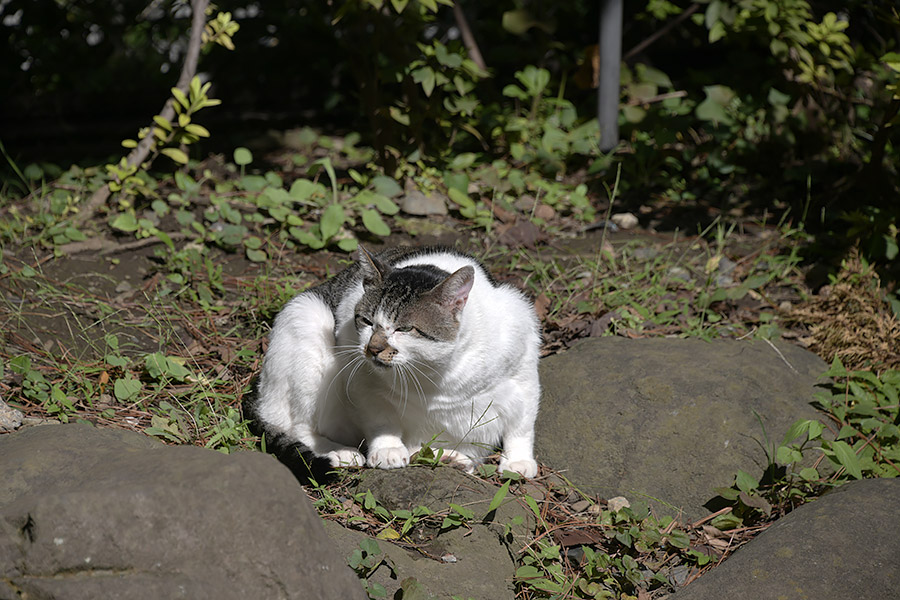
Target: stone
[(419, 204), (842, 545), (103, 513), (481, 566), (10, 418), (625, 220), (471, 561), (669, 419)]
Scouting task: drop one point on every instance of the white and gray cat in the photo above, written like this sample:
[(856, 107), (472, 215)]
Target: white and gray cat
[(408, 347)]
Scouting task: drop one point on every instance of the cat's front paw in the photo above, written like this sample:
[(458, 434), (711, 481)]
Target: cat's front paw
[(389, 458), (526, 468), (458, 460), (346, 457)]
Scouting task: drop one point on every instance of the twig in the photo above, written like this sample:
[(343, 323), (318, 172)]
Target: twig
[(663, 31), (468, 38), (658, 98), (142, 151), (781, 356), (105, 246)]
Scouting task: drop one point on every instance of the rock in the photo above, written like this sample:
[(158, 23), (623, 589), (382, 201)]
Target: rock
[(481, 566), (624, 220), (10, 418), (472, 561), (419, 204), (618, 503), (669, 419), (437, 488), (545, 212), (93, 513), (843, 545)]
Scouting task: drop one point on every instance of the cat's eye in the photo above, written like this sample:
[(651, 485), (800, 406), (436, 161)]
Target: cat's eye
[(362, 321), (405, 329)]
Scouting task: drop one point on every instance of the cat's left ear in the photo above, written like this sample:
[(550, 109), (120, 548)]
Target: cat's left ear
[(453, 292), (374, 271)]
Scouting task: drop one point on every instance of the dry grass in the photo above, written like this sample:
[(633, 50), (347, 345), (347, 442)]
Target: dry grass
[(851, 321)]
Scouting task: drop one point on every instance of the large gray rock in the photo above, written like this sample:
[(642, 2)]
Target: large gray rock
[(94, 513), (473, 561), (846, 544), (669, 419)]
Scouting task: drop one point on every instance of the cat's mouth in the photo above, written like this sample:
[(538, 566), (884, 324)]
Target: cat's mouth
[(381, 364)]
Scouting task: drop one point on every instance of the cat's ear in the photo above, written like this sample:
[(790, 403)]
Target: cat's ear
[(453, 292), (373, 270)]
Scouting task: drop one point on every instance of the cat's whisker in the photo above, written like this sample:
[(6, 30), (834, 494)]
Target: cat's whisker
[(359, 362), (404, 388), (412, 365), (338, 374), (418, 384)]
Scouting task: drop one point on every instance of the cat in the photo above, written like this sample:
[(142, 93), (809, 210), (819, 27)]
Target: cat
[(408, 347)]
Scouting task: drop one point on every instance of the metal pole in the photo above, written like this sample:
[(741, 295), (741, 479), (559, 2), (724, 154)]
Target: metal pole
[(610, 51)]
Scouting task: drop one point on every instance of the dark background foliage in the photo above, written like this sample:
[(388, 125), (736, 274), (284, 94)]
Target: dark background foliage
[(746, 135)]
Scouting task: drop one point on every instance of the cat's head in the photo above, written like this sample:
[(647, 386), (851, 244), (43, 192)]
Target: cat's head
[(409, 314)]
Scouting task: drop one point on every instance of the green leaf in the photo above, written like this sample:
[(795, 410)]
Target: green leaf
[(385, 205), (462, 511), (847, 458), (386, 186), (727, 521), (332, 219), (426, 78), (514, 91), (532, 504), (398, 115), (462, 161), (798, 428), (242, 156), (198, 130), (329, 169), (809, 474), (348, 244), (679, 539), (162, 122), (125, 222), (713, 107), (253, 183), (257, 256), (399, 5), (126, 389), (180, 97), (175, 154), (498, 498), (374, 223), (303, 189), (517, 22), (745, 482), (460, 198), (155, 364), (528, 572)]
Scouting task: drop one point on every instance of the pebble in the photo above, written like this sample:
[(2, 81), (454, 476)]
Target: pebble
[(618, 503), (10, 418), (624, 220), (419, 204), (581, 506)]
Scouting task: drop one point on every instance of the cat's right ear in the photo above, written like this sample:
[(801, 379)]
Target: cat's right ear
[(373, 270)]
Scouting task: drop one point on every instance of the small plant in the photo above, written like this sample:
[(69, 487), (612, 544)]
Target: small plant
[(364, 561)]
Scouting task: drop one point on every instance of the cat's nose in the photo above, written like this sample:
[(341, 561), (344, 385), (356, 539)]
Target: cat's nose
[(379, 349)]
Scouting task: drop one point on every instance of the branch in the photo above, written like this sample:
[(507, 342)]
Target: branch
[(468, 38), (140, 153), (665, 29)]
